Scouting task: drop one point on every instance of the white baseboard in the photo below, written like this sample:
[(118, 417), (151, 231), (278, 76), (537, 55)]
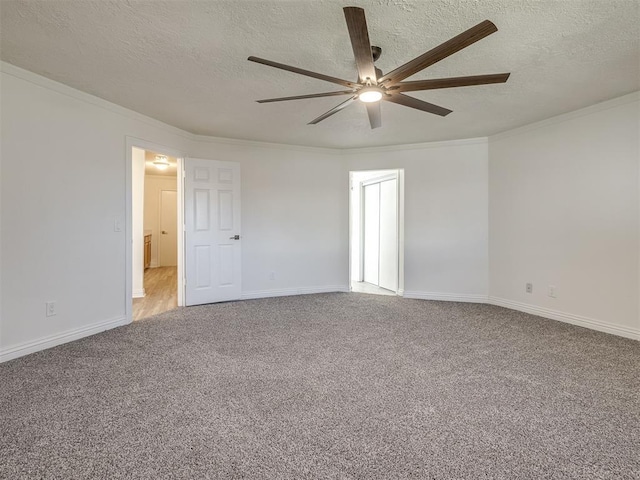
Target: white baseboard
[(285, 292), (139, 293), (58, 339), (579, 320), (447, 297)]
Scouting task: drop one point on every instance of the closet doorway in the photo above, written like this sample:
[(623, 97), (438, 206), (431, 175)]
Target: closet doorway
[(376, 213)]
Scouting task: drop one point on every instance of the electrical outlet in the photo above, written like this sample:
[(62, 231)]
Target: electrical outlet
[(117, 224), (553, 291), (272, 275), (51, 309), (529, 287)]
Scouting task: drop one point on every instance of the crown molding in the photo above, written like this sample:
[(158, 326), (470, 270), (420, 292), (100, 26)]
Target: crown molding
[(74, 93), (63, 89), (417, 146), (269, 145), (565, 117)]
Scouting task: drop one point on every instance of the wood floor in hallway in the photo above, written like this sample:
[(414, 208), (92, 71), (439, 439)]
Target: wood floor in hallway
[(161, 292)]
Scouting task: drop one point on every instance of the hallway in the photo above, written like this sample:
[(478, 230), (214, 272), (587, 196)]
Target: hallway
[(161, 292)]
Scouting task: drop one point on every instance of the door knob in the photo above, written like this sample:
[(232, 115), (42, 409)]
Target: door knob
[(164, 232), (235, 237)]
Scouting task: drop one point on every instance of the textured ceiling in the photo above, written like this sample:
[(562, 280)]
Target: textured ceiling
[(184, 62)]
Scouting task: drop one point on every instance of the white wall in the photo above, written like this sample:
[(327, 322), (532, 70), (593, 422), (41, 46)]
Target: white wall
[(294, 217), (445, 215), (68, 188), (153, 185), (137, 218), (63, 188), (564, 211)]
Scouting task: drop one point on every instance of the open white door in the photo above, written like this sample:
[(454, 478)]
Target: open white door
[(388, 276), (212, 231)]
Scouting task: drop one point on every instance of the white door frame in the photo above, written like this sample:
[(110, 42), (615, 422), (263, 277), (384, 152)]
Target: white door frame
[(155, 147), (385, 174)]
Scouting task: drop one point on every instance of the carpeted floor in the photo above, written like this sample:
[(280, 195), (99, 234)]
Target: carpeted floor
[(331, 386)]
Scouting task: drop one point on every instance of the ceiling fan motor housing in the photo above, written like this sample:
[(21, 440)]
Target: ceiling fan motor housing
[(376, 52)]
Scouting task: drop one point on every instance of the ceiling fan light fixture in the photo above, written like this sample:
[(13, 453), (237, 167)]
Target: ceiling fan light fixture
[(370, 94), (161, 162), (372, 85)]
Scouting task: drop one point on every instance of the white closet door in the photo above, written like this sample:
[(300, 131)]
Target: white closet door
[(371, 204), (388, 266)]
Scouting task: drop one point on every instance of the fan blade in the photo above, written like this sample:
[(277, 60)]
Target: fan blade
[(357, 25), (300, 71), (450, 82), (336, 109), (313, 95), (375, 116), (401, 99), (440, 52)]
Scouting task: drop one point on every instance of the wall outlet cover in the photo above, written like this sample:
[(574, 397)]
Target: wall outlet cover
[(51, 309)]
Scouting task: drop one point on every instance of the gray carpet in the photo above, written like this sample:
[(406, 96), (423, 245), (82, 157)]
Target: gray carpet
[(331, 386)]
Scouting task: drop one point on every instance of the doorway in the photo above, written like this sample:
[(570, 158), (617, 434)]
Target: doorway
[(376, 232), (155, 262)]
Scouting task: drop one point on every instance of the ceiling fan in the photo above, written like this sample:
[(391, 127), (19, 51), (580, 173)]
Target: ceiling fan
[(373, 86)]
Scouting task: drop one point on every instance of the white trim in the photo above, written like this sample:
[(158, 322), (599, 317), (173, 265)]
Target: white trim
[(269, 145), (571, 318), (63, 89), (382, 178), (60, 338), (112, 107), (285, 292), (417, 146), (565, 117), (138, 293), (181, 230), (447, 297)]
